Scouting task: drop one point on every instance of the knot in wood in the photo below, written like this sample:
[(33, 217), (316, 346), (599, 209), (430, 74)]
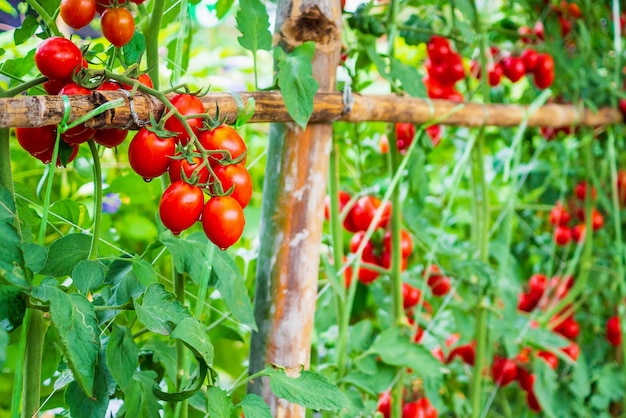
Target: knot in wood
[(311, 25)]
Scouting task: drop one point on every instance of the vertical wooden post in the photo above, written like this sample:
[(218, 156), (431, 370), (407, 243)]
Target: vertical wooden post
[(292, 213)]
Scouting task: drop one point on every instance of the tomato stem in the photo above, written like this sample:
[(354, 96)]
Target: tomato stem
[(97, 200), (151, 33), (48, 20)]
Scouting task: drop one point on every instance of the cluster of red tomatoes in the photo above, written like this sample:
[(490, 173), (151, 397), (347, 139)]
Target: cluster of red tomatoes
[(420, 408), (212, 164), (562, 218), (566, 14), (117, 22), (444, 67)]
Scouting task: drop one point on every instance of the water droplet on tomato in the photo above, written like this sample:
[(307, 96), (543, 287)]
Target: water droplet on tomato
[(147, 179)]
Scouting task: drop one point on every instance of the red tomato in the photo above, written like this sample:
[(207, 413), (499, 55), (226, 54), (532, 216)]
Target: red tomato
[(562, 235), (109, 85), (110, 138), (118, 26), (525, 379), (404, 135), (544, 72), (525, 302), (621, 183), (384, 404), (410, 295), (143, 79), (149, 155), (385, 261), (439, 285), (406, 243), (550, 358), (568, 328), (531, 400), (180, 207), (494, 73), (559, 215), (531, 59), (194, 172), (597, 220), (57, 58), (78, 134), (578, 232), (223, 221), (581, 191), (572, 350), (434, 132), (614, 330), (419, 409), (537, 286), (513, 68), (237, 178), (54, 86), (186, 104), (223, 138), (438, 49), (46, 157), (363, 211), (503, 370), (37, 140), (77, 13)]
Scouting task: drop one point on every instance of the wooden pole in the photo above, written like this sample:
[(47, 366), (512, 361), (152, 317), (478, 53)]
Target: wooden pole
[(31, 111), (292, 213)]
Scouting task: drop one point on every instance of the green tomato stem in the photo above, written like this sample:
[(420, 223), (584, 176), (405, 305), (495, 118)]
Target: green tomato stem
[(97, 200), (151, 33), (32, 363), (48, 20)]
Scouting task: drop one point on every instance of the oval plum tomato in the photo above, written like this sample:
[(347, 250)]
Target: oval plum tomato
[(78, 134), (77, 13), (531, 59), (194, 172), (544, 72), (364, 209), (494, 74), (406, 243), (439, 285), (57, 58), (237, 178), (223, 138), (438, 49), (70, 151), (419, 409), (118, 26), (532, 401), (581, 190), (514, 68), (223, 221), (186, 104), (621, 184), (385, 261), (525, 379), (550, 358), (37, 140), (110, 138), (578, 232), (467, 353), (404, 135), (562, 235), (503, 370), (410, 295), (54, 86), (572, 350), (180, 207), (525, 302), (356, 240), (149, 155), (614, 331), (568, 328), (559, 215), (537, 286), (384, 404)]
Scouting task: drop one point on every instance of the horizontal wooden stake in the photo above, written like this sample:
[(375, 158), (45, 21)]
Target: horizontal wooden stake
[(33, 111)]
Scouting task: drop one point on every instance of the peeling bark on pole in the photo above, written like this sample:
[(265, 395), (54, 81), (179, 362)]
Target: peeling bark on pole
[(31, 111), (292, 213)]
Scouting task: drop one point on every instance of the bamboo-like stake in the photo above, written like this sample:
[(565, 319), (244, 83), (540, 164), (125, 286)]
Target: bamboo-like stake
[(292, 213), (32, 111)]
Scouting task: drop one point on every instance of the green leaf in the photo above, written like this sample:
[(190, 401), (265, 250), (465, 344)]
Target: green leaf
[(219, 403), (194, 335), (421, 33), (12, 307), (253, 22), (139, 400), (65, 253), (64, 211), (309, 389), (360, 336), (467, 9), (295, 78), (19, 67), (144, 272), (123, 282), (188, 256), (84, 406), (254, 406), (545, 386), (88, 275), (398, 349), (122, 356), (580, 384), (35, 255), (545, 339), (76, 324), (4, 344), (409, 78), (231, 285), (159, 310), (11, 257), (222, 7), (197, 381), (133, 51), (26, 31)]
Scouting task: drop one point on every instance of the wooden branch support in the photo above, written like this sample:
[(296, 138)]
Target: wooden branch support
[(32, 111)]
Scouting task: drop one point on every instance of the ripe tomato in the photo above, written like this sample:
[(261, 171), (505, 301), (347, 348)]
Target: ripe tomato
[(143, 79), (385, 261), (525, 302), (194, 172), (572, 350), (525, 379), (531, 59), (53, 86), (410, 295), (223, 138), (438, 49), (537, 286), (110, 138), (559, 215), (439, 285), (578, 232), (419, 409), (404, 135), (514, 68), (494, 73), (78, 134), (77, 13), (223, 221), (384, 404), (581, 190), (544, 72), (562, 235), (550, 358), (532, 401), (467, 352), (621, 182), (180, 207), (186, 104), (503, 370), (568, 328), (37, 140), (597, 220), (57, 58), (614, 330), (237, 178), (362, 213), (406, 243), (70, 151), (149, 155), (118, 26)]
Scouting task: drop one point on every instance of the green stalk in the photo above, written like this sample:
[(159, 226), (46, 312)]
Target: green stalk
[(151, 33), (32, 363), (97, 200), (481, 340), (179, 290), (48, 20)]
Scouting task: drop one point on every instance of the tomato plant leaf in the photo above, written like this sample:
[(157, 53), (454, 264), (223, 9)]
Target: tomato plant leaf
[(231, 285), (139, 400), (408, 77), (122, 355), (19, 67), (219, 404), (4, 343), (254, 406), (68, 211), (296, 82), (372, 383), (133, 51), (159, 310), (124, 284), (75, 321), (253, 23), (396, 348), (222, 7), (187, 255), (309, 389), (194, 335), (415, 30), (545, 386), (65, 253), (144, 272), (26, 31), (88, 275), (35, 255), (580, 384), (11, 256), (197, 381), (82, 405)]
